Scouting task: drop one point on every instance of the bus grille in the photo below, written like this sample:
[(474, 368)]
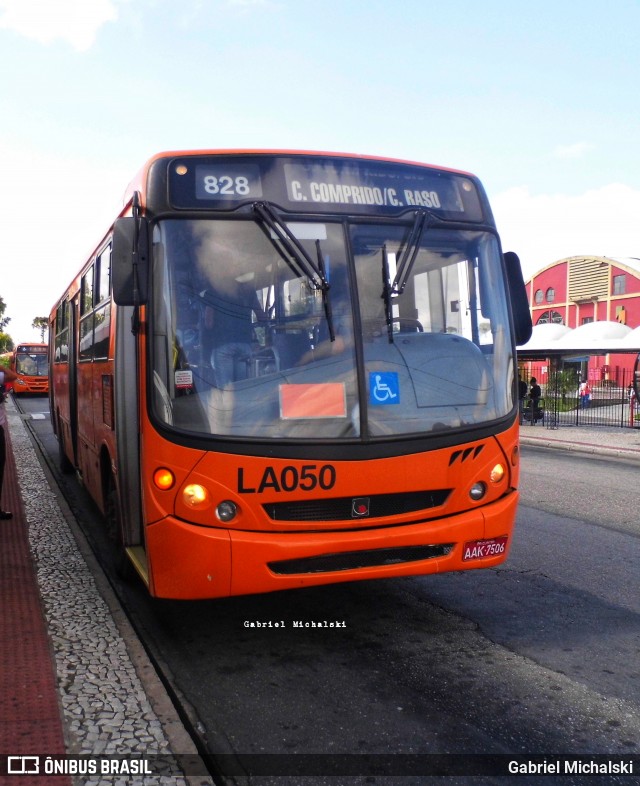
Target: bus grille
[(342, 508), (350, 560)]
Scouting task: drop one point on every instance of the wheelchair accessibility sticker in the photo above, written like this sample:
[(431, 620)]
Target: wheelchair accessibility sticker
[(384, 388)]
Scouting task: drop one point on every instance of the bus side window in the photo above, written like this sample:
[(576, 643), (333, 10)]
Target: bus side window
[(62, 333), (95, 308), (86, 315), (103, 275), (102, 317)]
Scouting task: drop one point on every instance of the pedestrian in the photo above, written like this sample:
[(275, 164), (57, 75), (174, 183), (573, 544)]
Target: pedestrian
[(585, 394), (534, 396), (522, 394), (6, 375)]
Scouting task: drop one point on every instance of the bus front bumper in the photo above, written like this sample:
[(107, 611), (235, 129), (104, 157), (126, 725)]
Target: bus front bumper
[(194, 562)]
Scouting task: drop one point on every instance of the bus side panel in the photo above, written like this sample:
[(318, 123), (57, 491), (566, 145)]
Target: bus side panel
[(86, 433), (95, 426), (85, 410)]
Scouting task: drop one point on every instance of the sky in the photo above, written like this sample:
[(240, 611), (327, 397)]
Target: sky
[(540, 100)]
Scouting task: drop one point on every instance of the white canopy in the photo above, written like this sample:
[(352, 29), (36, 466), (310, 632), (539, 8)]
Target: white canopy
[(595, 338)]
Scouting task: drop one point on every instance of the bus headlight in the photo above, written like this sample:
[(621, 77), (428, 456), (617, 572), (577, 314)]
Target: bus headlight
[(477, 491), (227, 510), (497, 473), (195, 496)]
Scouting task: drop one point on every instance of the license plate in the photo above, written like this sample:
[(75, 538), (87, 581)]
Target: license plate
[(480, 549)]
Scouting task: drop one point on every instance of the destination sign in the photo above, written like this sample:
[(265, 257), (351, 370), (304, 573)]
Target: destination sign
[(31, 349), (321, 184), (324, 183)]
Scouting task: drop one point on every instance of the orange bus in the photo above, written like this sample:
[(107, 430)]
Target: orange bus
[(31, 363), (285, 369)]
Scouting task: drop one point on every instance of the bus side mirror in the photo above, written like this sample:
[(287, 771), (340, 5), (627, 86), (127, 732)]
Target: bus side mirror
[(130, 261), (518, 296)]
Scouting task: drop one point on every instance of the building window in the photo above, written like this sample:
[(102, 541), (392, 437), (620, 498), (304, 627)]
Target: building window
[(586, 320), (551, 295), (539, 296), (551, 316), (620, 284)]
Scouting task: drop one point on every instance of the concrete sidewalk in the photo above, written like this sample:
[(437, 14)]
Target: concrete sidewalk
[(74, 678), (611, 441), (30, 713)]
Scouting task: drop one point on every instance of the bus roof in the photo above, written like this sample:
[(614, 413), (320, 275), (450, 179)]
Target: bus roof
[(138, 183)]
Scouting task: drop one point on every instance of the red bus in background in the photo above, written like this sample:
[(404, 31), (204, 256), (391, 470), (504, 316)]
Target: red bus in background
[(31, 363), (286, 369)]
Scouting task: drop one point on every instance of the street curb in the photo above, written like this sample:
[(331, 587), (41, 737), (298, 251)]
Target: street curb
[(588, 448)]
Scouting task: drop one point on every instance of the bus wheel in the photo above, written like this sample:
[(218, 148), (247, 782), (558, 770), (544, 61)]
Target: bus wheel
[(122, 564)]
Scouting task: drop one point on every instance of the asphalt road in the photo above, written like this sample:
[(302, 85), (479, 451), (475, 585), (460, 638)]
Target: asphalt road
[(539, 656)]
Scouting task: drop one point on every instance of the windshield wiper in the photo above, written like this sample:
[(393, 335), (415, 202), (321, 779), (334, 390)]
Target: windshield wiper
[(302, 262), (296, 256), (409, 253), (396, 287), (325, 292), (387, 293)]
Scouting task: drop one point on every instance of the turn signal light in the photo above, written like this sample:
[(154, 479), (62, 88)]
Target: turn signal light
[(164, 478)]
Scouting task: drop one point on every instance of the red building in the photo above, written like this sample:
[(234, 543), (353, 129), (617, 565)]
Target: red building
[(582, 289)]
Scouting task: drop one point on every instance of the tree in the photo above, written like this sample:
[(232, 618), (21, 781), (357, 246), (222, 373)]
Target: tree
[(6, 342), (41, 324), (4, 321), (563, 383)]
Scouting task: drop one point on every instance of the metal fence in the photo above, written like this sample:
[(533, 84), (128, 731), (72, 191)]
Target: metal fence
[(610, 402)]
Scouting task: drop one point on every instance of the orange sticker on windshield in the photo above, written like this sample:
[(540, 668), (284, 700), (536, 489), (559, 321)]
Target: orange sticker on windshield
[(320, 400)]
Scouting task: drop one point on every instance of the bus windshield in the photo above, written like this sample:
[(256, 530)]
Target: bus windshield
[(32, 364), (358, 330)]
